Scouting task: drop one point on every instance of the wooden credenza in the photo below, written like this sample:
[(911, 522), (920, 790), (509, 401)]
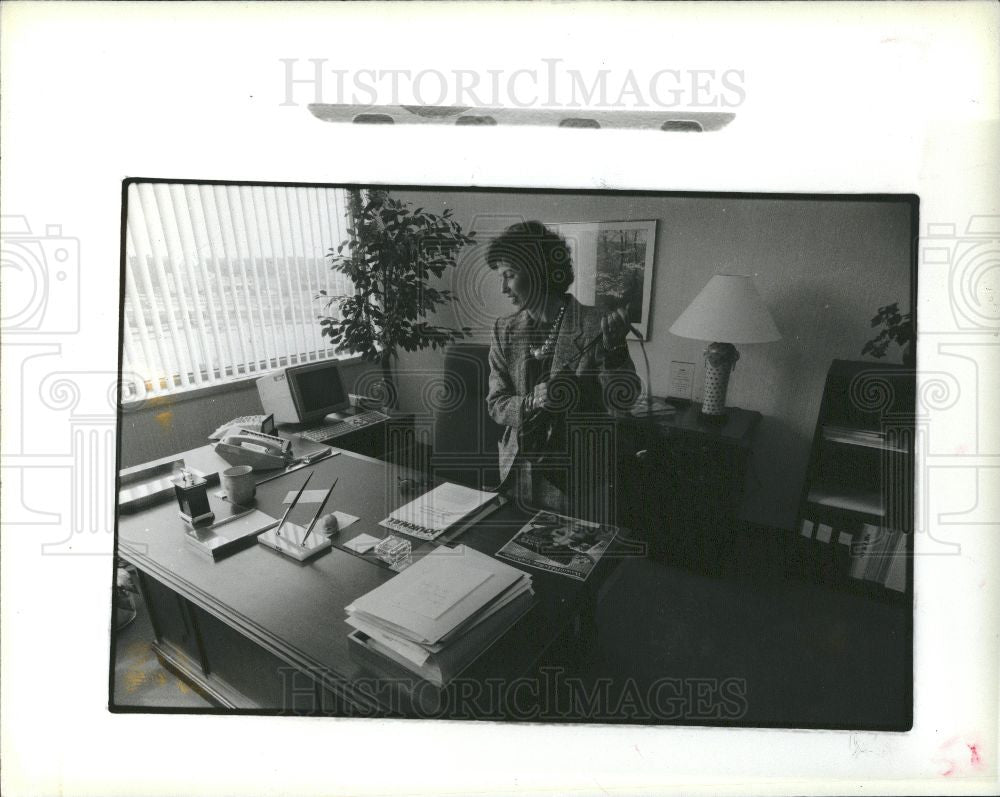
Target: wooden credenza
[(681, 482)]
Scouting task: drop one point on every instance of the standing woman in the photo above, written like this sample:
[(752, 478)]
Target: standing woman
[(545, 386)]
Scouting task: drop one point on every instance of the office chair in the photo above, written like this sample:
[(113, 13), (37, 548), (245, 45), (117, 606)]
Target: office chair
[(465, 437)]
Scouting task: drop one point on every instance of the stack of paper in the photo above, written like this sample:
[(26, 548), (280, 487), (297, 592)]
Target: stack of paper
[(437, 616), (444, 508)]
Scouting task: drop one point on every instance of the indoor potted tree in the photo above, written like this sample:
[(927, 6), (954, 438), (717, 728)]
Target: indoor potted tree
[(390, 256)]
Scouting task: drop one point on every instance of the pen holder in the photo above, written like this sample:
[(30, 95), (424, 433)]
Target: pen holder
[(192, 502)]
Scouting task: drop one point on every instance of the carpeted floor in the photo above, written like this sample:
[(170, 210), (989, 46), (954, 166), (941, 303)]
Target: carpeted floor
[(785, 652)]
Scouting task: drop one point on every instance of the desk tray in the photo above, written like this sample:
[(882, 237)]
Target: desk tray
[(150, 486)]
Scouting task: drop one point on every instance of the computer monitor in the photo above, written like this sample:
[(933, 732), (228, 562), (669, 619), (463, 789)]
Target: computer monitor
[(303, 393)]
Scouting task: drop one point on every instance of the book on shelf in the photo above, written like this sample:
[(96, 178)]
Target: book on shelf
[(860, 551), (895, 577), (442, 612), (448, 507), (886, 554), (880, 557)]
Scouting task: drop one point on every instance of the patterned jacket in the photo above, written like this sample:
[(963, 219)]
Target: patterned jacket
[(598, 390)]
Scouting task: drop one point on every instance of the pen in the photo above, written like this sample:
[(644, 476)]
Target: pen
[(231, 518), (309, 460), (318, 511), (312, 460), (277, 531)]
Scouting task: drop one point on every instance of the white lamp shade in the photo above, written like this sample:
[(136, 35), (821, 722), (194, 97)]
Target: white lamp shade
[(728, 310)]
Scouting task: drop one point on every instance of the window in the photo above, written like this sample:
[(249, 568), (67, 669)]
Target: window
[(224, 281)]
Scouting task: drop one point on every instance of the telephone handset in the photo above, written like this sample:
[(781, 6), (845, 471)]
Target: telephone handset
[(260, 451)]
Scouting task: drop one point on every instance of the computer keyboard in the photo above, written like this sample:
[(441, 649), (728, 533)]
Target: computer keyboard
[(321, 433)]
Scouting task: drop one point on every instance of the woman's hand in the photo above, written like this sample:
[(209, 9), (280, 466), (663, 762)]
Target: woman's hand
[(539, 398), (614, 328), (560, 393)]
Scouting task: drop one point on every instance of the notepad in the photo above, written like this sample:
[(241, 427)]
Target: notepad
[(362, 543)]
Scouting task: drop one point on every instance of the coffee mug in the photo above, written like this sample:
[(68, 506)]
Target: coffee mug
[(239, 484)]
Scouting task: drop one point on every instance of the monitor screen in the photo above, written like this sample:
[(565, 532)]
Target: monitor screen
[(318, 390)]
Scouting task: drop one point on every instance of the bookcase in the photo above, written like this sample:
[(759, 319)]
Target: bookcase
[(855, 526)]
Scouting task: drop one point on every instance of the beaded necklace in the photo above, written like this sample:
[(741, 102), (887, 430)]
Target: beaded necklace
[(548, 348)]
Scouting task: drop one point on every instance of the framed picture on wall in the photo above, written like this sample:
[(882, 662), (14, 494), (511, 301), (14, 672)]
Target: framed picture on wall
[(613, 261)]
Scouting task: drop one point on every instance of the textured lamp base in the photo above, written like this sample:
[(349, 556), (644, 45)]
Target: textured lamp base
[(719, 361)]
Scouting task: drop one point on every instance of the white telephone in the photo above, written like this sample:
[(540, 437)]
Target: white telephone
[(253, 423), (260, 451)]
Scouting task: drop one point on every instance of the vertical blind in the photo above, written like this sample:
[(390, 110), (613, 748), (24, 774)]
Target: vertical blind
[(221, 281)]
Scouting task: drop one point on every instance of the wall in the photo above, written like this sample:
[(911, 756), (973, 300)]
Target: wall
[(823, 267), (170, 424)]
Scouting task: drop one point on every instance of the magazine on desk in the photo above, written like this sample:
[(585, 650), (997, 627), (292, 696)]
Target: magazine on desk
[(559, 544)]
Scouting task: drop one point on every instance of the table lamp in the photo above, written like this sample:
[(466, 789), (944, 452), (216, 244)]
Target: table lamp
[(728, 310)]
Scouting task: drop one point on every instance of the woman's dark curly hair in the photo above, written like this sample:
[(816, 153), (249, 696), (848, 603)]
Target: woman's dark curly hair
[(533, 248)]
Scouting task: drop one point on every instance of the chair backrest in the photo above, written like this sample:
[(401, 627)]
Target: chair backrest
[(465, 437)]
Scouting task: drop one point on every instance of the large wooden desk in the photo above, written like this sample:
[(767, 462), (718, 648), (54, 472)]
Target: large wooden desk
[(257, 631)]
